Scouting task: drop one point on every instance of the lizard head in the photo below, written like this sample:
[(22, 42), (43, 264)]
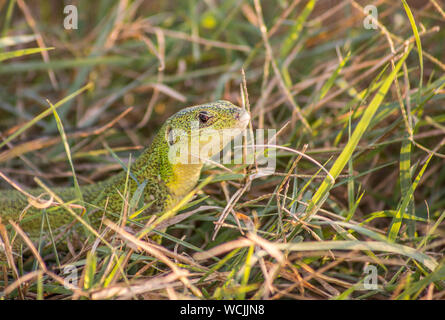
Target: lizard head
[(186, 141), (197, 133)]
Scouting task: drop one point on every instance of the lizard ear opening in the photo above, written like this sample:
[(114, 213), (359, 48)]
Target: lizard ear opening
[(170, 136)]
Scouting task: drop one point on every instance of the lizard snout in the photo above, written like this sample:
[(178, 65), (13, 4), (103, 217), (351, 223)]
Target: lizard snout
[(243, 117)]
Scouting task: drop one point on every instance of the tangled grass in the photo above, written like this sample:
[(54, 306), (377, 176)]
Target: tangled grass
[(366, 104)]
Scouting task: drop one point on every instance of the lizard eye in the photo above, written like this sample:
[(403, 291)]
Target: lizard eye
[(203, 117)]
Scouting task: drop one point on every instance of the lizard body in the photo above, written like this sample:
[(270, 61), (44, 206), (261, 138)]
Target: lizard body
[(166, 181)]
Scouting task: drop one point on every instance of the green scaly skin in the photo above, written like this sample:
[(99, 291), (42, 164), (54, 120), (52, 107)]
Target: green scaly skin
[(166, 182)]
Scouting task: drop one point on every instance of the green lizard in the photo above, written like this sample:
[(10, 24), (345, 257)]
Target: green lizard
[(166, 179)]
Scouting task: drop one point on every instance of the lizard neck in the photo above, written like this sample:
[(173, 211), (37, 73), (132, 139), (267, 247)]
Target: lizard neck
[(175, 179), (185, 177)]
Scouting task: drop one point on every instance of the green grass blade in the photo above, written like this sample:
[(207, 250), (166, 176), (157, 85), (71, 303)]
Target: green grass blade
[(90, 270), (67, 150), (22, 52), (418, 43), (429, 262), (419, 286), (123, 165), (135, 199), (295, 31), (8, 17), (328, 84), (116, 267), (356, 136), (246, 273), (405, 178), (397, 220)]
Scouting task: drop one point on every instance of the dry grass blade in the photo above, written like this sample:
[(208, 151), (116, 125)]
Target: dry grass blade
[(179, 273)]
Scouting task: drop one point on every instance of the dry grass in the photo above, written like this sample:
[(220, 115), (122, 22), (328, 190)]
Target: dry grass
[(359, 182)]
